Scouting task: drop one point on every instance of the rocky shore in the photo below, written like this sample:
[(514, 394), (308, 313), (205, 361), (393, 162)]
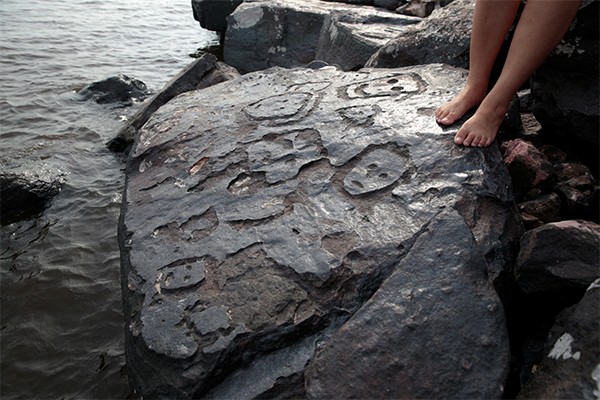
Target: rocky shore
[(296, 225)]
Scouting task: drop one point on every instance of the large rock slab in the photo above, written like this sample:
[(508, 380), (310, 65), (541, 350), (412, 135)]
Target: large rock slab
[(263, 34), (271, 219)]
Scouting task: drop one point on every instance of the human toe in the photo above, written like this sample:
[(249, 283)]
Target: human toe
[(459, 137)]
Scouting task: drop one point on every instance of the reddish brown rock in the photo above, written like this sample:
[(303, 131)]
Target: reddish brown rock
[(528, 167)]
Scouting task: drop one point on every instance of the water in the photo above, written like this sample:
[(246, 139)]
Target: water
[(61, 326)]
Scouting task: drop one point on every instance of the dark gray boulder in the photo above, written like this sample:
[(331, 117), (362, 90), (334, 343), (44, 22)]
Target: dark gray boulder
[(443, 37), (268, 218), (212, 14), (292, 33), (116, 89), (348, 40), (433, 330), (559, 256), (566, 88), (570, 368), (205, 71), (26, 195)]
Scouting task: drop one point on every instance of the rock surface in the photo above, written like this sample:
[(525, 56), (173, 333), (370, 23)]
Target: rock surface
[(263, 34), (25, 195), (570, 368), (443, 37), (528, 167), (212, 14), (116, 89), (271, 220), (559, 256), (348, 40), (421, 8), (205, 71)]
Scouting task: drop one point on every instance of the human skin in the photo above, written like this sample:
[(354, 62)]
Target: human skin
[(541, 26)]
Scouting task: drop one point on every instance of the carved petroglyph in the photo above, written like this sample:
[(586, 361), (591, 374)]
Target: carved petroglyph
[(283, 108), (361, 115), (275, 205), (377, 170), (391, 86), (181, 276), (282, 156)]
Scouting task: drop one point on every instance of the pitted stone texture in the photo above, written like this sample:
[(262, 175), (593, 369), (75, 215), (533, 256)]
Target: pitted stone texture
[(266, 210), (291, 33), (404, 333)]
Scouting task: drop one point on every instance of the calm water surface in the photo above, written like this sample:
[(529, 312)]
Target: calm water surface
[(61, 327)]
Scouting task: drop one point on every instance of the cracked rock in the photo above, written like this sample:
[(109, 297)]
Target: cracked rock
[(270, 220)]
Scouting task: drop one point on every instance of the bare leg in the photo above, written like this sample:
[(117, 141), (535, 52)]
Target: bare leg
[(491, 21), (543, 23)]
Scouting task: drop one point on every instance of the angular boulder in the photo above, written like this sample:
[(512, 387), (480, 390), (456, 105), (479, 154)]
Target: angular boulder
[(443, 37), (270, 220), (528, 167), (559, 256), (267, 33)]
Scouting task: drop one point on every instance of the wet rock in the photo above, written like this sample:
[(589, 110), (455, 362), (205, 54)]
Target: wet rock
[(421, 8), (203, 72), (405, 331), (116, 89), (443, 37), (26, 195), (528, 167), (212, 14), (262, 214), (559, 256), (262, 34), (570, 368), (565, 88)]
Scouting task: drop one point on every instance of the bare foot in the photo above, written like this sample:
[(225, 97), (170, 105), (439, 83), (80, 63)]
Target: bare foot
[(468, 98), (480, 130)]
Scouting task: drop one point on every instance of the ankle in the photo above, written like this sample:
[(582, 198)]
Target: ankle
[(475, 90), (492, 111)]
